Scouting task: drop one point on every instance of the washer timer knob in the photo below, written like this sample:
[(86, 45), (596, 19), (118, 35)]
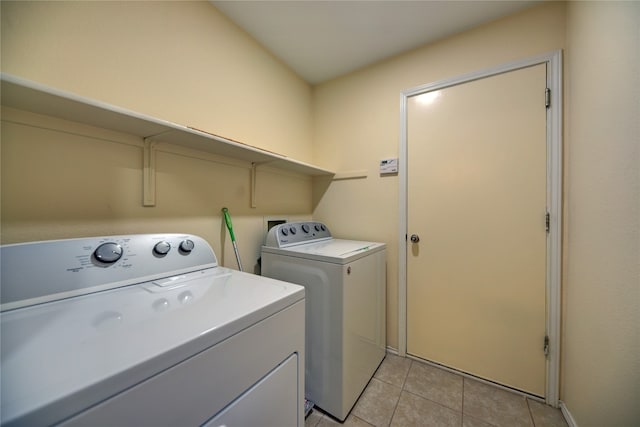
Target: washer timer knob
[(108, 253), (305, 228), (162, 248), (186, 245)]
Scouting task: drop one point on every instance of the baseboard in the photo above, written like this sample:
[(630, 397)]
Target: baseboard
[(567, 415)]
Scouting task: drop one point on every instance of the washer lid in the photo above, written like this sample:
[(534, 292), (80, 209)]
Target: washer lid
[(338, 251), (60, 357)]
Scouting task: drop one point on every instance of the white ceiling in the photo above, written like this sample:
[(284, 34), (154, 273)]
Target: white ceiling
[(321, 40)]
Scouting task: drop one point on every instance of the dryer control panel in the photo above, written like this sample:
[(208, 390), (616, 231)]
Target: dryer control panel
[(295, 233), (37, 272)]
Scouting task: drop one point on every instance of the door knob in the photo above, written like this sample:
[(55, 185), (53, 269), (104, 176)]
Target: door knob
[(415, 238)]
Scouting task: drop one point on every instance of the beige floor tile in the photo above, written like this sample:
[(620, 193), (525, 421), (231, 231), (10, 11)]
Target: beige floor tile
[(495, 406), (545, 415), (435, 384), (469, 421), (393, 370), (313, 419), (351, 421), (377, 403), (405, 393), (416, 411)]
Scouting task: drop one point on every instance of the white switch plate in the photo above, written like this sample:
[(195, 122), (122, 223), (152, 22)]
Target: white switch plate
[(388, 166)]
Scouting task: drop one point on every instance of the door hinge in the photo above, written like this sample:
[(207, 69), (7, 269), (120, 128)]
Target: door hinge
[(547, 221), (546, 346), (547, 97)]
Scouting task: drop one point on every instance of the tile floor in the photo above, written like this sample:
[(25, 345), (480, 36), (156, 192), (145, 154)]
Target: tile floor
[(405, 393)]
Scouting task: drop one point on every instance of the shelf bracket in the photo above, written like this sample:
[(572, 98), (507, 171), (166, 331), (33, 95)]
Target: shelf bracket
[(253, 184), (149, 173)]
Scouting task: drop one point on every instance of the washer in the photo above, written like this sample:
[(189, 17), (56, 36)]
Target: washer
[(146, 330), (345, 284)]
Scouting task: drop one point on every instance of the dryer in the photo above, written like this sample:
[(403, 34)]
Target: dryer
[(146, 330), (345, 294)]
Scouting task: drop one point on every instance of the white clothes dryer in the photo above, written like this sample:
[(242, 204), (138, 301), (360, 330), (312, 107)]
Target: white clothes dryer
[(345, 290), (145, 330)]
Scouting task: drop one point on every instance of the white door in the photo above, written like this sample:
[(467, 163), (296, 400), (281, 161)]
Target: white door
[(476, 199)]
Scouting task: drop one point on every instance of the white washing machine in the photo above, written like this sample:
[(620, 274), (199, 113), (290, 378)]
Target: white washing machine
[(345, 283), (146, 330)]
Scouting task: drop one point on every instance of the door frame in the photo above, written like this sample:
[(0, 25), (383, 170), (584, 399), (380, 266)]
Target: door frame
[(553, 61)]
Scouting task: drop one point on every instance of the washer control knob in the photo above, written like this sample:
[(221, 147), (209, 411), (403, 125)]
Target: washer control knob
[(305, 228), (108, 253), (293, 230), (284, 231), (323, 227), (186, 245), (162, 248), (317, 227)]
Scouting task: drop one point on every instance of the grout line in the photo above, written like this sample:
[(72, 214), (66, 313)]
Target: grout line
[(400, 386), (460, 412), (404, 381), (363, 420), (395, 408), (429, 400), (533, 421)]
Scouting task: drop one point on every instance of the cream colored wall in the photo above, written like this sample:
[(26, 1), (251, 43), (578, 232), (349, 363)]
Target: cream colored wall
[(357, 123), (179, 61), (601, 336)]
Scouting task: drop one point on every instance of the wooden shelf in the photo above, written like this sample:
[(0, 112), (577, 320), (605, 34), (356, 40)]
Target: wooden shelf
[(31, 96)]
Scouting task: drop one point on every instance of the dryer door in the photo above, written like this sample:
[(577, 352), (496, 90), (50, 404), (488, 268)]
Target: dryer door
[(255, 406)]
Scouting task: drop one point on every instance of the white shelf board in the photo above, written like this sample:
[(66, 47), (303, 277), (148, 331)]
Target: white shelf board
[(30, 96)]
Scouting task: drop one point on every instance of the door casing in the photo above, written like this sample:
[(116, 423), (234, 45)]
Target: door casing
[(553, 61)]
